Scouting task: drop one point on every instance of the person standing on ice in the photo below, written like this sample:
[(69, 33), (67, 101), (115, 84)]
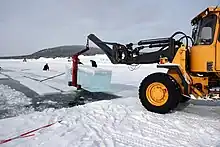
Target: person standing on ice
[(46, 67), (93, 63)]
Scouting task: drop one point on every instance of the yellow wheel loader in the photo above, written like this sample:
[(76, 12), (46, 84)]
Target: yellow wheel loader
[(192, 63)]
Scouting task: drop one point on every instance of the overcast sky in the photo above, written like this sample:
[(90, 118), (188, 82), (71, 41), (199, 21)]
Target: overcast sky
[(27, 26)]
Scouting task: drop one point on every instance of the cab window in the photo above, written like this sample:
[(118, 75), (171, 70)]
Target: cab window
[(206, 30)]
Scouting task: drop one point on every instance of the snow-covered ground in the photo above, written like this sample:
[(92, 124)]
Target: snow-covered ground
[(115, 123)]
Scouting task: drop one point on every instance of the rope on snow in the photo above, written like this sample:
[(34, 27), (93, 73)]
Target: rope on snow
[(27, 134)]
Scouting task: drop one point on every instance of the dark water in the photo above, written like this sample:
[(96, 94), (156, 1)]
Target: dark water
[(57, 101)]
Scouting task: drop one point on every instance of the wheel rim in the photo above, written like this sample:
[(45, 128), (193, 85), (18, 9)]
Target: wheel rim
[(157, 94)]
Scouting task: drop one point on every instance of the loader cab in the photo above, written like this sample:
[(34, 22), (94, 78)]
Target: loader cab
[(205, 53)]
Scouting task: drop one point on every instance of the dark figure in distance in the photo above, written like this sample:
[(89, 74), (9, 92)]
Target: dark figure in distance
[(46, 67), (25, 60), (93, 63)]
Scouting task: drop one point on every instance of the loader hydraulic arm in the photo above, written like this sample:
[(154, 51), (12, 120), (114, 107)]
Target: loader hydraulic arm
[(131, 53), (102, 45)]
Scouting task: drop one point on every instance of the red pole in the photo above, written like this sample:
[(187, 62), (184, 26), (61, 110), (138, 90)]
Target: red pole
[(74, 70)]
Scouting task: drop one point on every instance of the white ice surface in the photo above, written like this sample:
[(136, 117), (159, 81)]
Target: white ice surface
[(30, 74), (2, 76), (115, 123)]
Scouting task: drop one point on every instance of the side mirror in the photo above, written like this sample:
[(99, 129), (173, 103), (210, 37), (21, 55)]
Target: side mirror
[(193, 33), (206, 33)]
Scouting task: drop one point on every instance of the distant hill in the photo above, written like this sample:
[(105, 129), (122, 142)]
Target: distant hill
[(61, 51)]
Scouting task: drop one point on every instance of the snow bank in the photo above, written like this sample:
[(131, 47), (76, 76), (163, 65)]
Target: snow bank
[(119, 122)]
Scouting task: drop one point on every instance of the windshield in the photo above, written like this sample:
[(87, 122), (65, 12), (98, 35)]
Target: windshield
[(203, 30)]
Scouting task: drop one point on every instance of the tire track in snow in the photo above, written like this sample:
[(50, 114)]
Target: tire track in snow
[(166, 136), (134, 140), (89, 128), (92, 121), (182, 130), (157, 130), (126, 139), (112, 124), (95, 117)]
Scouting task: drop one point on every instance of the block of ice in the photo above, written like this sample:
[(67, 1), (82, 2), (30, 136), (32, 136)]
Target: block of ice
[(68, 73), (91, 78), (94, 79)]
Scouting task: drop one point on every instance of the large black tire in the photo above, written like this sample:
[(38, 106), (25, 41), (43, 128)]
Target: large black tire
[(172, 88)]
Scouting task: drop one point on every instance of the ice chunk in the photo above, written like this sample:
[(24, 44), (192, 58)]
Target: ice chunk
[(91, 78), (68, 73), (94, 79)]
